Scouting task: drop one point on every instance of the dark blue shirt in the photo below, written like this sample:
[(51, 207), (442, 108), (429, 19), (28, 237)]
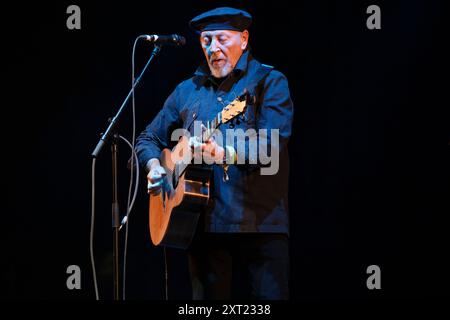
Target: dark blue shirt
[(248, 201)]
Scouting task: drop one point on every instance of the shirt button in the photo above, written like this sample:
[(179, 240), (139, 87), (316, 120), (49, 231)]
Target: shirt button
[(193, 115), (219, 99)]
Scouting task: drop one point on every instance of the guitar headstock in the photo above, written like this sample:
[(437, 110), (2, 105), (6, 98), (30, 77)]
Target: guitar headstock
[(234, 108)]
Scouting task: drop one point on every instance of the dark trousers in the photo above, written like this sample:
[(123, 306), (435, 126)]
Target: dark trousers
[(239, 266)]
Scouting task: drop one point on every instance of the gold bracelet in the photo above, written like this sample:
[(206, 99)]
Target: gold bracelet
[(230, 155)]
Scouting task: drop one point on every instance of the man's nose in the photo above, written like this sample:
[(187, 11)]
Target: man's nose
[(214, 46)]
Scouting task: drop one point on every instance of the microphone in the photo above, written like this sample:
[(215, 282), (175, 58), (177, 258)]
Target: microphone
[(173, 39)]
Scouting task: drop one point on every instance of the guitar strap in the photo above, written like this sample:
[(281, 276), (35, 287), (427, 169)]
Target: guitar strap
[(256, 83), (258, 78)]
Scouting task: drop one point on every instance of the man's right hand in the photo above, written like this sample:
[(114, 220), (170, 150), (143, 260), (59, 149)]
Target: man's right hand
[(155, 178)]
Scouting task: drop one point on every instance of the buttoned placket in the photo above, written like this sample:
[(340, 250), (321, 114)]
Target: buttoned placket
[(220, 99)]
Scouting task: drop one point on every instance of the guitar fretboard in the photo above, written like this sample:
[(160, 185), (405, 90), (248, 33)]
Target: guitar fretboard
[(233, 109), (212, 126)]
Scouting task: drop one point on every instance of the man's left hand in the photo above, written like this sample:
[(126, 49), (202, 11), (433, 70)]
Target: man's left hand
[(208, 152)]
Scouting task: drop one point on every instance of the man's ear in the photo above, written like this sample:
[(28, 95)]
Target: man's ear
[(244, 37)]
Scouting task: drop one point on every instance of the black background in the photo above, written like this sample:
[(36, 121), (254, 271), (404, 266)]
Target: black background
[(369, 149)]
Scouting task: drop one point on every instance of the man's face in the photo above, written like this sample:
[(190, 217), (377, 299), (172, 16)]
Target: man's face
[(222, 49)]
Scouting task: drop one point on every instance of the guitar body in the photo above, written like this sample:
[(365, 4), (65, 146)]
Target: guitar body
[(175, 211)]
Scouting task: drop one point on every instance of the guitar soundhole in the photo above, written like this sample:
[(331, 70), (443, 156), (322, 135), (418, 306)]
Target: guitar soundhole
[(175, 177)]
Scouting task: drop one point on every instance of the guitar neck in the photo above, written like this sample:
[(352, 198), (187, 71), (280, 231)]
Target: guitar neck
[(233, 109), (212, 126)]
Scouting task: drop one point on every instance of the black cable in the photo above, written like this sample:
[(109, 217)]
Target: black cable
[(125, 219), (129, 206), (166, 274)]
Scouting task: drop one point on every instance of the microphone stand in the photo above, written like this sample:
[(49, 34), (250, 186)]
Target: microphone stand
[(111, 134)]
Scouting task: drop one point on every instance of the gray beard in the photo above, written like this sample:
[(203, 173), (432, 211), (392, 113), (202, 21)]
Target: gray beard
[(222, 72)]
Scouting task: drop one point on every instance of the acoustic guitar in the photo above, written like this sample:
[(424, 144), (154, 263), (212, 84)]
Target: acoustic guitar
[(185, 193)]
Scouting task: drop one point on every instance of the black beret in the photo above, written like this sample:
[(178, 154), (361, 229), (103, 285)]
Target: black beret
[(223, 18)]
